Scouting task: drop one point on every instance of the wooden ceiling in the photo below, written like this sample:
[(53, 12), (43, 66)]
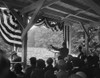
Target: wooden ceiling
[(62, 9)]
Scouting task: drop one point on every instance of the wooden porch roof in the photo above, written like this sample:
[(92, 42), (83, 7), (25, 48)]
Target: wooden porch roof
[(60, 9)]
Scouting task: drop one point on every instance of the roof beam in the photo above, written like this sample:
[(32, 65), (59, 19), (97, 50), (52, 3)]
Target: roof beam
[(30, 7), (34, 5), (67, 10), (79, 14), (56, 10), (13, 4), (50, 3), (93, 5), (65, 5), (92, 11), (89, 10), (76, 15), (53, 12), (75, 8), (32, 20), (89, 17), (80, 19), (76, 4)]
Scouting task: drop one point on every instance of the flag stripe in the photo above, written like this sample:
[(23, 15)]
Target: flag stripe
[(10, 29), (11, 18), (7, 32), (6, 23), (12, 22), (2, 21), (16, 39), (9, 40)]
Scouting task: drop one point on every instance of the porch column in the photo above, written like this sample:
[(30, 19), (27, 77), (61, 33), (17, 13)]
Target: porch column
[(67, 35), (24, 43), (69, 42)]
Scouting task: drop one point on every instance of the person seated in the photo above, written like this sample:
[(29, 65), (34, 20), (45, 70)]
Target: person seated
[(5, 68), (78, 65), (15, 57), (10, 74), (49, 64), (39, 71), (30, 68), (69, 67), (62, 73), (18, 70), (49, 70)]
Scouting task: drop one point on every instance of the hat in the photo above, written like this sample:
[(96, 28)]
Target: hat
[(75, 76), (82, 74)]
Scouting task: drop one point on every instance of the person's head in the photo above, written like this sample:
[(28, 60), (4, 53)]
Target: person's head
[(64, 44), (61, 65), (60, 57), (33, 61), (49, 61), (4, 66), (17, 68), (40, 64), (68, 58)]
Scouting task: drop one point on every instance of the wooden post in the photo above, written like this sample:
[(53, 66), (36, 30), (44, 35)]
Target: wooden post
[(24, 43), (86, 43), (67, 27), (24, 51), (86, 37), (40, 4), (65, 34), (70, 29)]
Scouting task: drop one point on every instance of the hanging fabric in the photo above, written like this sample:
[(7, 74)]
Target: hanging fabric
[(10, 29)]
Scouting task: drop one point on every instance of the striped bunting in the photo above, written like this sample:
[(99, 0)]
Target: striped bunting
[(10, 29)]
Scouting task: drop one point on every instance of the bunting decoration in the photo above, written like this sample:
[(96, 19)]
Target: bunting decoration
[(49, 23), (10, 29)]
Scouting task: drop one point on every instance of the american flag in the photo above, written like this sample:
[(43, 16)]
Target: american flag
[(10, 29)]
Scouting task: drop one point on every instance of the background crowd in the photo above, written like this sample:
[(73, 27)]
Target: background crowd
[(83, 66)]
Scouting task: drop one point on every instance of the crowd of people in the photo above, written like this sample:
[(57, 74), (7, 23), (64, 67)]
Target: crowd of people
[(71, 67)]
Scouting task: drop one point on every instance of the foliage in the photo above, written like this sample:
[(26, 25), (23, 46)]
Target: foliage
[(43, 37), (5, 47)]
